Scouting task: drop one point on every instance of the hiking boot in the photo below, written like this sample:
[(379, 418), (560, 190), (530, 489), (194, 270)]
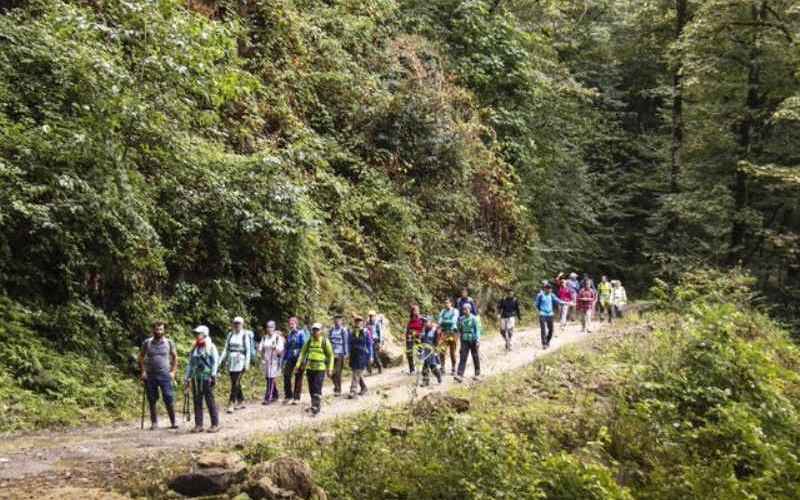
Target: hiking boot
[(213, 429), (363, 393), (173, 426), (352, 395), (229, 409), (295, 402), (458, 378), (241, 406), (265, 402), (337, 394), (476, 378), (196, 429)]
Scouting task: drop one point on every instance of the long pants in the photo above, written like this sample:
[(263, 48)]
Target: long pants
[(546, 328), (375, 359), (618, 310), (451, 343), (469, 347), (357, 382), (236, 396), (410, 344), (203, 390), (564, 314), (431, 364), (605, 308), (292, 391), (153, 385), (338, 366), (586, 319), (271, 391), (507, 329), (315, 381)]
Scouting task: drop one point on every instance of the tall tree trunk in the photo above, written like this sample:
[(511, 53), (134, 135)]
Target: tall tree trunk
[(681, 19), (746, 138)]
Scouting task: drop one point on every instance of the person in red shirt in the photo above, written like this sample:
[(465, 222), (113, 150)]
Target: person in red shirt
[(586, 300), (413, 332)]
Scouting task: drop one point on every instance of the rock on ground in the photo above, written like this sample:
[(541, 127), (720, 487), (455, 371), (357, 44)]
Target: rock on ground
[(283, 478), (436, 402), (212, 474)]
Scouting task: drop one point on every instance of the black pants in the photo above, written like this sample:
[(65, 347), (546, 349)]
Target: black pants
[(237, 396), (375, 359), (204, 391), (410, 344), (292, 391), (338, 366), (315, 381), (469, 347), (546, 327)]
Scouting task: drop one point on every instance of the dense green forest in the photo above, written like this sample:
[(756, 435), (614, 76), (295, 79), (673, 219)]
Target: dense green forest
[(194, 161)]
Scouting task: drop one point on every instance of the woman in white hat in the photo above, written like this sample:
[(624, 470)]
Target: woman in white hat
[(271, 350), (201, 376)]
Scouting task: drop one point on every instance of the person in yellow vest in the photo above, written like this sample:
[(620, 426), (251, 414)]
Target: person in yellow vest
[(605, 291), (316, 359)]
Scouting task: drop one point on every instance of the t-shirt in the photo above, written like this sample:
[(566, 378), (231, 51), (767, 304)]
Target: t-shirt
[(157, 356)]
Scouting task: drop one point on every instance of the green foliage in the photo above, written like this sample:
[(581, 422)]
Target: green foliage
[(704, 403)]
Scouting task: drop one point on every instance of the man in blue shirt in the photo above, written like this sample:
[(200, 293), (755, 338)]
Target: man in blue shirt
[(295, 338), (464, 300), (545, 304), (340, 341)]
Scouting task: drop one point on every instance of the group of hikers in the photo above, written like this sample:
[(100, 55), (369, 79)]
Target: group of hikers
[(306, 352)]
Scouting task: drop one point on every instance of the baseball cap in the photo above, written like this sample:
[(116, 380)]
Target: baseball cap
[(238, 319), (202, 329), (316, 326)]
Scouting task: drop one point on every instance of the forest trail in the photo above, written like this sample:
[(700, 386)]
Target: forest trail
[(92, 455)]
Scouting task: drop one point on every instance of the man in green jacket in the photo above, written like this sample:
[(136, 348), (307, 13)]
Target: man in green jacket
[(316, 359), (469, 326)]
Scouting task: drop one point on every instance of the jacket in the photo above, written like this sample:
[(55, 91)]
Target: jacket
[(203, 363), (360, 349), (545, 303), (316, 355), (271, 350), (448, 319), (340, 341), (470, 328), (508, 308), (294, 344)]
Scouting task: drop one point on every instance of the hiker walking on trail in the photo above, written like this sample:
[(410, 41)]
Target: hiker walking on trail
[(375, 326), (295, 340), (339, 336), (158, 361), (586, 300), (201, 376), (465, 299), (545, 305), (567, 298), (605, 293), (508, 309), (619, 298), (316, 360), (236, 352), (413, 331), (271, 350), (448, 326), (429, 354), (469, 328), (360, 348)]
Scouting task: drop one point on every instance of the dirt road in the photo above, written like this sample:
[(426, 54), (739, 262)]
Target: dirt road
[(75, 457)]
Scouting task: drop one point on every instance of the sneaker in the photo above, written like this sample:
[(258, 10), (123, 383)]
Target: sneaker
[(173, 426), (196, 429), (476, 378), (229, 409), (337, 394), (213, 429), (363, 393), (265, 402), (295, 402), (458, 378), (241, 406), (352, 395)]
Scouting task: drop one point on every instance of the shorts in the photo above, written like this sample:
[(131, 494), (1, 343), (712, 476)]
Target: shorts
[(508, 323)]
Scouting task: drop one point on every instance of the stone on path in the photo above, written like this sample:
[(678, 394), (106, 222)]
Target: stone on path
[(212, 474), (283, 478)]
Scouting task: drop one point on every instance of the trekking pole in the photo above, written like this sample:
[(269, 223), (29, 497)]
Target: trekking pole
[(141, 425)]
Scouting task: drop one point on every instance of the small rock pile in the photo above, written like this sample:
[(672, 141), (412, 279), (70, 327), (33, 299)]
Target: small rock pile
[(214, 473)]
